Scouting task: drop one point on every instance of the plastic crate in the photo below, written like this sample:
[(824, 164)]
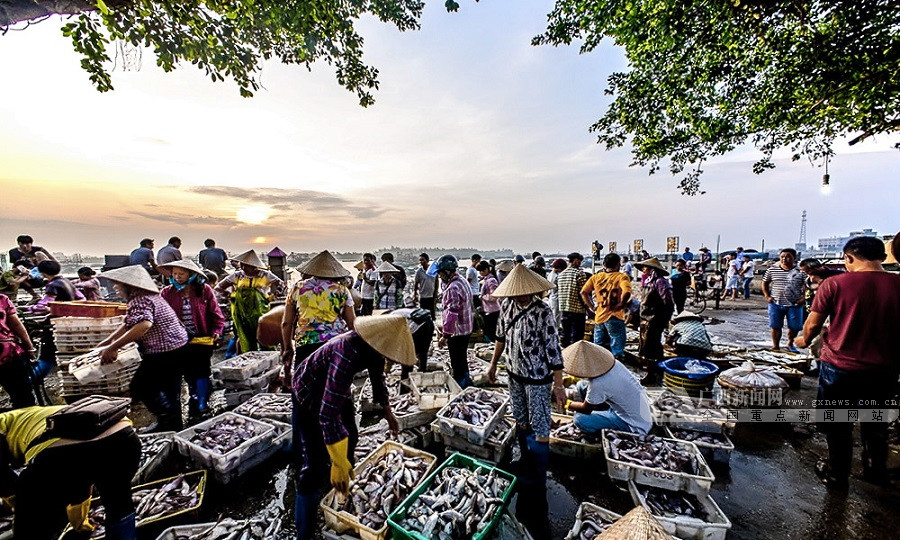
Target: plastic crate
[(113, 385), (195, 476), (341, 521), (433, 400), (94, 371), (608, 515), (492, 451), (83, 308), (564, 447), (146, 470), (247, 407), (283, 432), (233, 398), (649, 476), (456, 460), (706, 415), (509, 528), (474, 434), (258, 383), (173, 533), (712, 452), (688, 528), (222, 464), (249, 364)]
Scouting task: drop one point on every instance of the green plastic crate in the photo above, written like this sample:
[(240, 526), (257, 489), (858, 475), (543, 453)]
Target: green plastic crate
[(456, 460)]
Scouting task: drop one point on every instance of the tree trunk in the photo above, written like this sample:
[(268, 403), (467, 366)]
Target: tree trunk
[(14, 11)]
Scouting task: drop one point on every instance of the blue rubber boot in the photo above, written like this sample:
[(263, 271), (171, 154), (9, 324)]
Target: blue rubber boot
[(124, 529), (305, 508), (41, 369), (539, 452), (201, 394), (231, 349)]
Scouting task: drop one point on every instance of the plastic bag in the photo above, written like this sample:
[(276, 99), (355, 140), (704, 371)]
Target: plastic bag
[(748, 376), (694, 366)]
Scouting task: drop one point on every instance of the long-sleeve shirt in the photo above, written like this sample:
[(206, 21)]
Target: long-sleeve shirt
[(205, 311), (657, 304), (166, 332), (488, 302), (569, 283), (322, 384), (532, 342), (90, 288), (456, 317)]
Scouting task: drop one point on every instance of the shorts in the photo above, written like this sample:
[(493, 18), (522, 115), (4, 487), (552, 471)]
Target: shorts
[(794, 316), (734, 282)]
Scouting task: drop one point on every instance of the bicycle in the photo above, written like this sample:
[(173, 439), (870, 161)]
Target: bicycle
[(700, 292)]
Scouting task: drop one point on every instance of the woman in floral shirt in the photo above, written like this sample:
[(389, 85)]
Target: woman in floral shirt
[(318, 308)]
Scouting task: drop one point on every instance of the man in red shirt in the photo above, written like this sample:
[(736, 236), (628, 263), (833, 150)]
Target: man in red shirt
[(860, 359)]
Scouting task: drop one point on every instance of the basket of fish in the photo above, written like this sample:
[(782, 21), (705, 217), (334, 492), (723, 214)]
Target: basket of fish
[(713, 446), (463, 499), (155, 501), (477, 371), (155, 449), (257, 383), (473, 414), (495, 447), (365, 402), (116, 383), (273, 406), (433, 390), (686, 412), (685, 515), (244, 366), (590, 521), (225, 529), (222, 443), (408, 413), (656, 461), (87, 368), (567, 440), (384, 479)]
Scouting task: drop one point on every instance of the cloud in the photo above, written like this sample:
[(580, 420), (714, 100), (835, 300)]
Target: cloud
[(289, 200), (185, 219)]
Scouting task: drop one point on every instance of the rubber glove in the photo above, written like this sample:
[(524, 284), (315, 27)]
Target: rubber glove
[(341, 471), (9, 502), (78, 515)]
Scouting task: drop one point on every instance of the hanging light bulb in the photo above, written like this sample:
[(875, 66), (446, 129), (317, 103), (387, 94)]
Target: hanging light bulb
[(826, 185)]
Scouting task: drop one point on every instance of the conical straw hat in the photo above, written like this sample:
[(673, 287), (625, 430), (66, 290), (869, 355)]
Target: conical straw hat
[(324, 265), (638, 524), (686, 316), (135, 276), (389, 335), (505, 265), (187, 264), (386, 267), (586, 359), (654, 263), (251, 258), (522, 281), (360, 265)]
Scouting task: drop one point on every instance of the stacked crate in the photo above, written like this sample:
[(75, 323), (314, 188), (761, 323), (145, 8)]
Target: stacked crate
[(75, 336)]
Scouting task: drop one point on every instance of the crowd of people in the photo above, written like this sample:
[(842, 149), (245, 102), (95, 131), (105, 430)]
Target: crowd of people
[(334, 325)]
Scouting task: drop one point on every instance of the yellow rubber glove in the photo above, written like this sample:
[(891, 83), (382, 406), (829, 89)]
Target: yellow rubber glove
[(9, 502), (78, 515), (341, 471)]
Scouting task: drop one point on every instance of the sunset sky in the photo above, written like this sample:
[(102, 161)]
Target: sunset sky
[(476, 139)]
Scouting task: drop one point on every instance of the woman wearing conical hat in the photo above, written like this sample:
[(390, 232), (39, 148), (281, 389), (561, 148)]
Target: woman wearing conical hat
[(196, 305), (657, 306), (318, 308), (252, 286), (526, 331)]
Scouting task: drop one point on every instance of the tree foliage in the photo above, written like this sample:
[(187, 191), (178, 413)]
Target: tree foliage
[(706, 76), (231, 39)]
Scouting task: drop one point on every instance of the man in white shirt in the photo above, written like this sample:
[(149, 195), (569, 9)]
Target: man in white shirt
[(472, 278), (424, 286), (367, 288), (747, 276)]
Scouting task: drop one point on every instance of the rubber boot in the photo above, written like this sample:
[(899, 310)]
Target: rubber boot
[(202, 388), (531, 506), (41, 369), (305, 508), (123, 529), (539, 451)]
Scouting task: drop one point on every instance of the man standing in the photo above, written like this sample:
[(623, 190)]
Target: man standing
[(611, 291), (783, 286), (472, 278), (570, 283), (860, 360), (739, 254), (733, 275), (627, 268), (213, 258), (457, 318), (423, 286), (143, 256), (747, 276), (367, 288)]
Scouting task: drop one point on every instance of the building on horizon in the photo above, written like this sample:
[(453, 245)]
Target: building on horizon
[(836, 243)]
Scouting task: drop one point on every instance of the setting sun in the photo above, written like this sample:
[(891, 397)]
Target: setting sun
[(254, 215)]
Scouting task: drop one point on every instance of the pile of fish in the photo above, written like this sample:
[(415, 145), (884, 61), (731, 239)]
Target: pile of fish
[(175, 496), (226, 434), (247, 359), (592, 524), (371, 438), (500, 431), (276, 406), (6, 524), (671, 504), (404, 404), (458, 503), (568, 431), (390, 381), (700, 436), (93, 357), (684, 406), (381, 486), (152, 445), (651, 451), (229, 529), (474, 407)]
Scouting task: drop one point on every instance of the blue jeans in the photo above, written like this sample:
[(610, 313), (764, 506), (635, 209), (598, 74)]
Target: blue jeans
[(600, 420), (611, 335), (778, 313), (747, 282)]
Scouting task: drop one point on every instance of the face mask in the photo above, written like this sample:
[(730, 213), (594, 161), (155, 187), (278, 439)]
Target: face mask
[(193, 279)]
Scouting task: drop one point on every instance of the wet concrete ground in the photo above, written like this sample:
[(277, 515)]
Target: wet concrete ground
[(769, 491)]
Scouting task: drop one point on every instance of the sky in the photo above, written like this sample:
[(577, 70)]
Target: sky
[(476, 139)]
